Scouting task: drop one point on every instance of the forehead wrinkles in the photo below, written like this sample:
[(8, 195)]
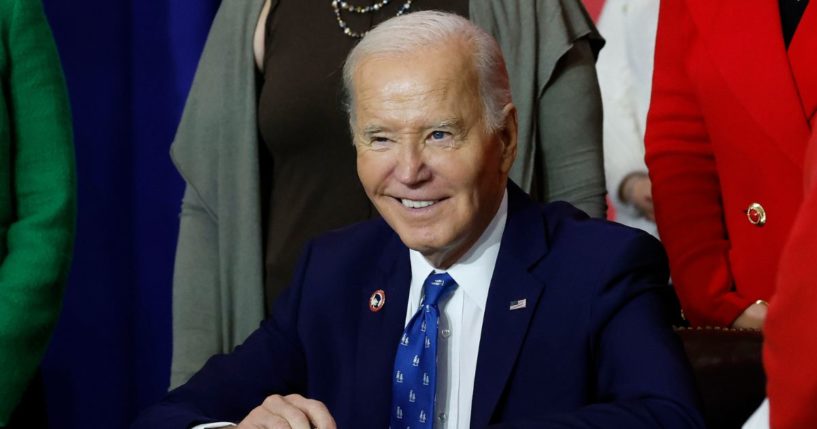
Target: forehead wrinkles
[(411, 89), (406, 101)]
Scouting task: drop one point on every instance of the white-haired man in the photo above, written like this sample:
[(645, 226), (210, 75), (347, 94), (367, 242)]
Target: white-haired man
[(467, 305)]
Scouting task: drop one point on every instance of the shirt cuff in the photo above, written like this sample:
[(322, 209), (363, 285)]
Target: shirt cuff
[(214, 425)]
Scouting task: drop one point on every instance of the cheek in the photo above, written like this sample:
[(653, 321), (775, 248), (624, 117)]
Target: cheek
[(470, 175), (367, 171)]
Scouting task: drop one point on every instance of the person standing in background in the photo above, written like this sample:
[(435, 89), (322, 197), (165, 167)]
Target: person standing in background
[(37, 196), (790, 338), (732, 108), (258, 144), (625, 79)]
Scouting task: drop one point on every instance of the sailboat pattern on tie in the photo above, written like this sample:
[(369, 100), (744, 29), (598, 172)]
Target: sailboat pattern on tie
[(415, 363)]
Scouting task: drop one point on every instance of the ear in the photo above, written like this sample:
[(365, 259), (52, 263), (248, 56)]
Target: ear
[(507, 136)]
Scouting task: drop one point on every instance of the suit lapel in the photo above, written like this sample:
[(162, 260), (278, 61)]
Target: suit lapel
[(756, 68), (379, 333), (503, 329), (803, 60)]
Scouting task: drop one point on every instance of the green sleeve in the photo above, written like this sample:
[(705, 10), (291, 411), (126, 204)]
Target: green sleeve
[(38, 207), (569, 131)]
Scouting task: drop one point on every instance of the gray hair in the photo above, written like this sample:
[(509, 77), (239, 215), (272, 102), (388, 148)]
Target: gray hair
[(414, 31)]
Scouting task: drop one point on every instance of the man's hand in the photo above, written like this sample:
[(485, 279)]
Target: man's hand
[(289, 412), (636, 189), (753, 317)]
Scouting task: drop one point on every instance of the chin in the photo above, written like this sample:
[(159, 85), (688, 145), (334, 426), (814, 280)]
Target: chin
[(419, 240), (421, 245)]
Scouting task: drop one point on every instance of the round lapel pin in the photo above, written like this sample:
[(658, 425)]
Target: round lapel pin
[(377, 300)]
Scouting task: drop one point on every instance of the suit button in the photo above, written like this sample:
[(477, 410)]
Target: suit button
[(756, 214)]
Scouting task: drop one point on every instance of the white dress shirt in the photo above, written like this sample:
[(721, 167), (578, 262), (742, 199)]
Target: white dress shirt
[(760, 418), (461, 315), (460, 327)]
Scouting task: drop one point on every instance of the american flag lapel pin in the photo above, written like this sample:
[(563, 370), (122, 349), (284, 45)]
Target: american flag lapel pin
[(518, 304)]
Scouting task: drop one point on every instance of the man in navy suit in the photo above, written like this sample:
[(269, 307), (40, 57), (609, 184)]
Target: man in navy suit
[(557, 320)]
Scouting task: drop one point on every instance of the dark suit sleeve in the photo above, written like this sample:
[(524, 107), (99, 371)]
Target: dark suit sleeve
[(270, 361), (642, 377)]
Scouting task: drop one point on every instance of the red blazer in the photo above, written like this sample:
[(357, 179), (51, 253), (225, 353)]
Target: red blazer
[(790, 346), (727, 128)]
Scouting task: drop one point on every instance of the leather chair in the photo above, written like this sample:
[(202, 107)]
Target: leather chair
[(728, 371)]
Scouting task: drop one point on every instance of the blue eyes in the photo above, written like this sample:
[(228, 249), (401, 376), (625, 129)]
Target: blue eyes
[(435, 138), (380, 143), (442, 139), (438, 135)]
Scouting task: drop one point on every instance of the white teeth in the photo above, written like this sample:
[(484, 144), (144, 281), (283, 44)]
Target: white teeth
[(416, 204)]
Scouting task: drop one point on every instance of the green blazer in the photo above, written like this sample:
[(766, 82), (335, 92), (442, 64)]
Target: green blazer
[(37, 194), (549, 47)]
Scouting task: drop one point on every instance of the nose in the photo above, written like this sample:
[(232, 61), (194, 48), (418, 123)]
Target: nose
[(412, 169)]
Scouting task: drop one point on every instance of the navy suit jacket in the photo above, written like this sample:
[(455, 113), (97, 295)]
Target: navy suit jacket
[(592, 348)]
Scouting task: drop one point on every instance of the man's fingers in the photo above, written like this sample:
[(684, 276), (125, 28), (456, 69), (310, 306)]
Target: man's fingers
[(316, 411), (289, 412), (280, 406), (261, 418)]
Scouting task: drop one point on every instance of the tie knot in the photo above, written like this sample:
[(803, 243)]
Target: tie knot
[(436, 286)]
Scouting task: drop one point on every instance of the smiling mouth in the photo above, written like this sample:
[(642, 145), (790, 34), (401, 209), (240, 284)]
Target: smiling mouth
[(415, 204)]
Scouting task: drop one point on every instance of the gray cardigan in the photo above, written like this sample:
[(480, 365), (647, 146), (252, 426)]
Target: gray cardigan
[(550, 48)]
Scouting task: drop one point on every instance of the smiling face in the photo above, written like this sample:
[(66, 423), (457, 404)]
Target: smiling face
[(424, 155)]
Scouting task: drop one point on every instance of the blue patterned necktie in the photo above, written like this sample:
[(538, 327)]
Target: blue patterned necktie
[(415, 365)]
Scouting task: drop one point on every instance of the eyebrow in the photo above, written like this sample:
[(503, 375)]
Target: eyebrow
[(449, 123), (371, 129)]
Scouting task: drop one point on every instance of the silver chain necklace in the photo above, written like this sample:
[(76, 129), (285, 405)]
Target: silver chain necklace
[(341, 5)]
